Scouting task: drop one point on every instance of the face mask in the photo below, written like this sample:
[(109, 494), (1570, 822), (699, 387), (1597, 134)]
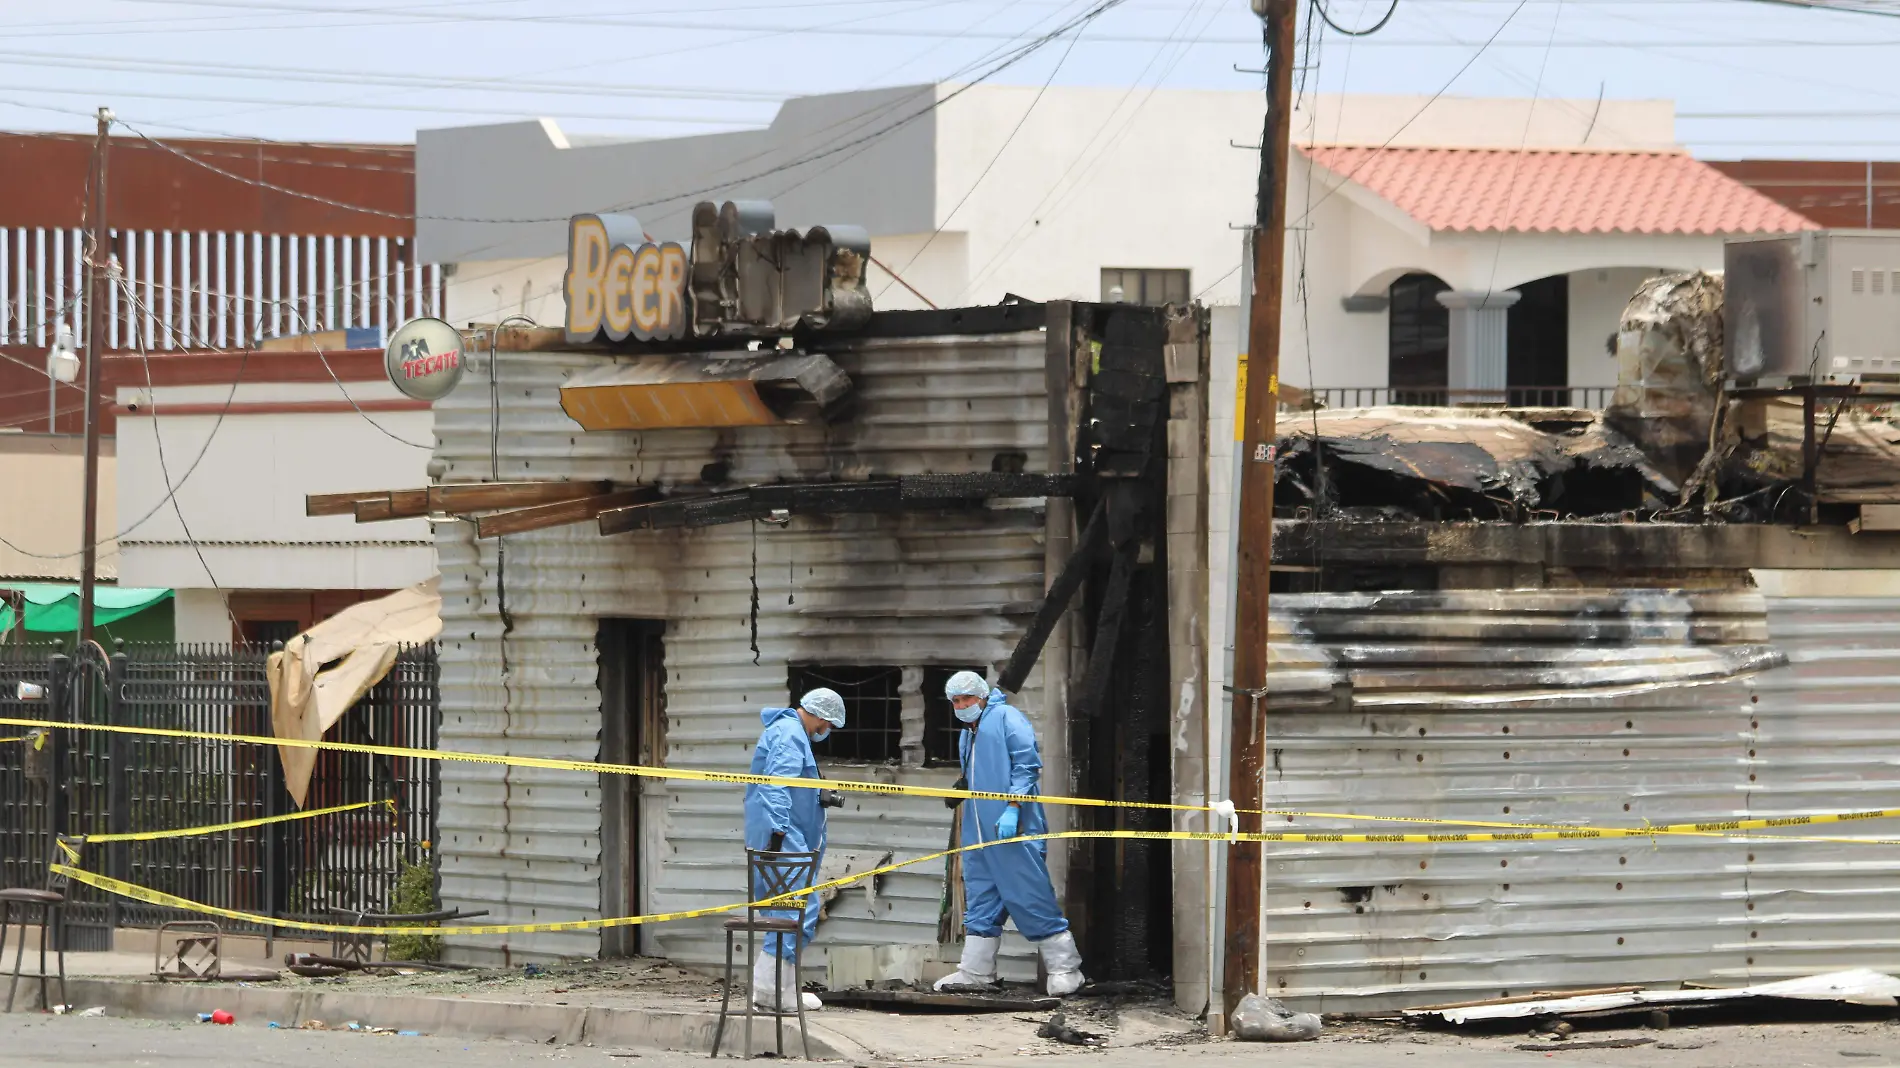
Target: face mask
[(970, 714), (821, 735)]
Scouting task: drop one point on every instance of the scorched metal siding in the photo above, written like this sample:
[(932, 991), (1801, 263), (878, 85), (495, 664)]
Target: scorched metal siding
[(906, 590), (1465, 706)]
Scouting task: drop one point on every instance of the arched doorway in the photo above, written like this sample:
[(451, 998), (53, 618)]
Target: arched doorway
[(1418, 338), (1537, 339)]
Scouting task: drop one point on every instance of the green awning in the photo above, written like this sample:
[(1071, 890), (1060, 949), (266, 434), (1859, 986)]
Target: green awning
[(54, 609)]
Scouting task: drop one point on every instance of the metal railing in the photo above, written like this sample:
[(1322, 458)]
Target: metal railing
[(198, 289), (1585, 397), (114, 783)]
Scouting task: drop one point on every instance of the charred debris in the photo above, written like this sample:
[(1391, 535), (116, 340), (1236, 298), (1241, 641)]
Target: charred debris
[(1675, 444)]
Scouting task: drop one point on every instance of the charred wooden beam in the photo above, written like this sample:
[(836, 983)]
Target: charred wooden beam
[(1108, 628), (906, 493), (560, 513), (1056, 602)]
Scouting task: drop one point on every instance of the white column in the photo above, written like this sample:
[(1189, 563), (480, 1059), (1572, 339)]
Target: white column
[(1476, 358)]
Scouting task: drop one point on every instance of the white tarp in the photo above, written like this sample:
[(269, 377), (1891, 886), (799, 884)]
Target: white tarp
[(326, 669)]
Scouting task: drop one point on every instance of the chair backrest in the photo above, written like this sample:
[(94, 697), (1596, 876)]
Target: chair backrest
[(776, 874)]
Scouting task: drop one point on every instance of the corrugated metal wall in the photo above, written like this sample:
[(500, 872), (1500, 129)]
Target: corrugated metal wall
[(1459, 705), (908, 590)]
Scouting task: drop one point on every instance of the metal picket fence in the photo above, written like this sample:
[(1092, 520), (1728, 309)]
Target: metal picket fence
[(97, 783)]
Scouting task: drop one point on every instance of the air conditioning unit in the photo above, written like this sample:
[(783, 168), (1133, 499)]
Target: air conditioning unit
[(1819, 307)]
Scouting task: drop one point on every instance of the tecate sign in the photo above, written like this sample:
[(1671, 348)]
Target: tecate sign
[(620, 284), (424, 358)]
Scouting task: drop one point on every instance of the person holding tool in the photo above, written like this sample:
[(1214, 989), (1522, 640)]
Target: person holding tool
[(999, 755), (789, 819)]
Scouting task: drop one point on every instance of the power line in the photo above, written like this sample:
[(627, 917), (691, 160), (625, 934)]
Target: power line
[(281, 75), (1326, 16), (1434, 98), (987, 168), (439, 109)]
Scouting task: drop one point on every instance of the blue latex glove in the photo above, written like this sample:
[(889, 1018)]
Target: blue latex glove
[(1006, 824)]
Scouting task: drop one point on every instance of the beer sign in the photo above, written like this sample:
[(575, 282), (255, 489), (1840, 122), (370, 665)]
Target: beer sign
[(621, 285), (424, 358)]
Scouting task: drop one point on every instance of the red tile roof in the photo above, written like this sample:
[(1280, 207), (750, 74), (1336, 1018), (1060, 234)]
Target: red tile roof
[(1559, 191)]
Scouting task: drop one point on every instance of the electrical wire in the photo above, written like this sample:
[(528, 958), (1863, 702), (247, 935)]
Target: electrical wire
[(1416, 115), (1061, 195), (1008, 139), (1010, 59), (164, 470), (1319, 8)]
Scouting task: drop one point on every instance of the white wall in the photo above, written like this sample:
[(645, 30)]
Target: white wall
[(243, 502), (1095, 178), (1597, 299), (199, 615)]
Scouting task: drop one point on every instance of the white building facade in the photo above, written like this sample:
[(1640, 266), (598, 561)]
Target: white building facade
[(1531, 217)]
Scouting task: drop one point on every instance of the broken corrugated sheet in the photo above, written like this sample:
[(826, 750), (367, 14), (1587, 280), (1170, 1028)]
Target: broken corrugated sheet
[(1858, 986), (1459, 463), (1487, 646), (1372, 928)]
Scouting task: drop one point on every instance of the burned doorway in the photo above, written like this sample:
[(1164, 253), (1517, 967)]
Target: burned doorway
[(632, 731)]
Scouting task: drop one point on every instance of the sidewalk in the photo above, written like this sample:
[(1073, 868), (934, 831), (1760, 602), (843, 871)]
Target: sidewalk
[(638, 1004)]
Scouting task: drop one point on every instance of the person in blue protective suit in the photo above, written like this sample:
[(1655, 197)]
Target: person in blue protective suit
[(788, 819), (1010, 881)]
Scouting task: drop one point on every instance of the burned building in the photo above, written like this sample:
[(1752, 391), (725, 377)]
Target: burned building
[(693, 502), (1681, 611)]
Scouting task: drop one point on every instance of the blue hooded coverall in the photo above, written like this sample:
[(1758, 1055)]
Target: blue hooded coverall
[(1006, 881), (784, 749)]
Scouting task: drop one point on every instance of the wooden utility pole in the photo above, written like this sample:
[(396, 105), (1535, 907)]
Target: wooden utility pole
[(98, 251), (1247, 742)]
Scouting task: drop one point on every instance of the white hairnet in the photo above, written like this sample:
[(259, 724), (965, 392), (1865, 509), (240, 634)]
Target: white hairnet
[(825, 704), (966, 684)]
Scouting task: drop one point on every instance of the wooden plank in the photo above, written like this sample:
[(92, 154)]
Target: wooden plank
[(1877, 517), (374, 511), (408, 504), (496, 496), (338, 503), (560, 513)]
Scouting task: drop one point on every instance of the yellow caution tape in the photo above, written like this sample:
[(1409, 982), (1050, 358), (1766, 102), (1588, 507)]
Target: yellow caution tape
[(687, 774), (1709, 828), (238, 825), (156, 897), (20, 738)]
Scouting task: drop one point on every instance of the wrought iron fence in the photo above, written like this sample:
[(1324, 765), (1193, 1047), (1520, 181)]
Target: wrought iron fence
[(115, 783), (1583, 397)]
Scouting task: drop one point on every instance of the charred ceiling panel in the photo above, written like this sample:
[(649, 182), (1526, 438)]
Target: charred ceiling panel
[(1440, 463)]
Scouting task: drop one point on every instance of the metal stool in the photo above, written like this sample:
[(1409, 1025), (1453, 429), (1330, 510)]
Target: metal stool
[(50, 901), (773, 875)]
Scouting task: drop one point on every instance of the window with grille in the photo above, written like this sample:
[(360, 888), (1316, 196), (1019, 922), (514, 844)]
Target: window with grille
[(873, 710), (941, 727), (1144, 285)]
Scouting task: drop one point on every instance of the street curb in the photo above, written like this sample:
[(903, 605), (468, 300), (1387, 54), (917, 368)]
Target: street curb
[(563, 1025)]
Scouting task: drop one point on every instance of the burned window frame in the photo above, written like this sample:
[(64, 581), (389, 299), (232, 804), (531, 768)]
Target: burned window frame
[(915, 726)]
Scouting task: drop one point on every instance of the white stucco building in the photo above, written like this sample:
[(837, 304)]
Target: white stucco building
[(235, 542), (1535, 220)]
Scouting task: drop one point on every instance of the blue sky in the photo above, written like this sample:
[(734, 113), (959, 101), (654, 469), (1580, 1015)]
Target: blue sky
[(1751, 79)]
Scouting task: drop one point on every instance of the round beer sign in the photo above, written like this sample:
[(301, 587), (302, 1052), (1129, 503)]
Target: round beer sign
[(424, 358)]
